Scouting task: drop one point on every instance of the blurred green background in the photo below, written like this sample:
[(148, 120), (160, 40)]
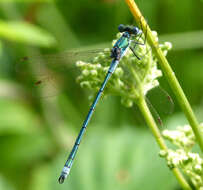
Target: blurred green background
[(118, 151)]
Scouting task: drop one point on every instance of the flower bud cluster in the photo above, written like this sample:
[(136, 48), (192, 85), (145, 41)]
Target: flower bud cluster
[(123, 82), (190, 163)]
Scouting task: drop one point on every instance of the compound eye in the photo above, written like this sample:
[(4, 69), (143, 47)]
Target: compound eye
[(136, 31), (121, 28)]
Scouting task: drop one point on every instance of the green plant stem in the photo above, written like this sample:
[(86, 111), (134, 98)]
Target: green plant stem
[(140, 101), (155, 130), (168, 73)]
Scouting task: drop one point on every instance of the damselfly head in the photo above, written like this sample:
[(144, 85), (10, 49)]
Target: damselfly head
[(121, 28), (130, 29), (136, 31)]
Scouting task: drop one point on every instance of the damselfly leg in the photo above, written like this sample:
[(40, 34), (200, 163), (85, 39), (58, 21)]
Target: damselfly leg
[(137, 41)]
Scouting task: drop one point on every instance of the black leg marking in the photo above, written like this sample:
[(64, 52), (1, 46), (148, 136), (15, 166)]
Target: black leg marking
[(134, 53)]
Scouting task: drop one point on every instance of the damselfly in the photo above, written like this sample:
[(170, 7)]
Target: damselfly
[(125, 42), (117, 52)]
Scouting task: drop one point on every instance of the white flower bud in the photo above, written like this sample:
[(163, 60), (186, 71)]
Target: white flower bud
[(80, 63), (85, 84), (168, 45), (93, 72), (119, 72), (85, 72)]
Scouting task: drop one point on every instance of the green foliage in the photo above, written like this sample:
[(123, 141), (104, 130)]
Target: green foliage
[(106, 161), (35, 133), (21, 117), (4, 184), (26, 33)]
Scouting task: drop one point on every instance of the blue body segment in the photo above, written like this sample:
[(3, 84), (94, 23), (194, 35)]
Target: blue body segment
[(71, 157), (122, 42), (118, 51)]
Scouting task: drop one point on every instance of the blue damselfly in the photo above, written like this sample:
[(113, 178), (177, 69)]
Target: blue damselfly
[(125, 42)]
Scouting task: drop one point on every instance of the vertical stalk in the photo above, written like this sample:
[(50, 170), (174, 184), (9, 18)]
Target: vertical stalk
[(155, 130), (172, 80), (152, 125)]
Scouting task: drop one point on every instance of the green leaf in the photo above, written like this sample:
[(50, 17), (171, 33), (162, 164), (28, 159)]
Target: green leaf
[(26, 33), (28, 1), (16, 118), (4, 184), (22, 150), (127, 159)]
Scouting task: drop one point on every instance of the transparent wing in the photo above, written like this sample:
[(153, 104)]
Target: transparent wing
[(41, 72), (160, 97), (55, 62), (160, 103), (39, 86)]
